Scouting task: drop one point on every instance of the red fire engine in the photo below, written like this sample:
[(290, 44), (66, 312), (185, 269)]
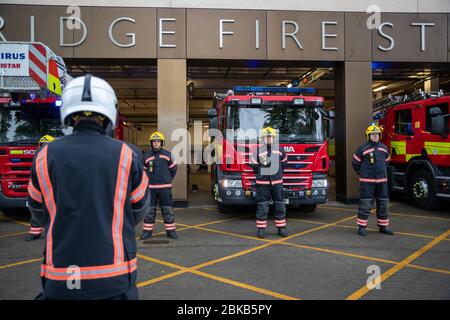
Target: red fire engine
[(31, 82), (416, 130), (299, 120)]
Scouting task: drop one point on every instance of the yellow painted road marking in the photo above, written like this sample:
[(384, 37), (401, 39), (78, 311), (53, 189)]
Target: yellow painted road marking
[(241, 253), (210, 209), (281, 240), (161, 278), (233, 234), (187, 226), (209, 276), (20, 263), (369, 229), (244, 286), (364, 290), (161, 262), (341, 253), (338, 252), (428, 269), (15, 221), (13, 234), (301, 246), (391, 213)]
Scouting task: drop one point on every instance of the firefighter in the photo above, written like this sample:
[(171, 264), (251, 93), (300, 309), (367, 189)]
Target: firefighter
[(268, 162), (161, 168), (369, 162), (89, 191), (36, 228)]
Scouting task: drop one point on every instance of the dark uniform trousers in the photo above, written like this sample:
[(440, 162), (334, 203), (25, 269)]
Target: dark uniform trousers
[(368, 192), (163, 198), (263, 193)]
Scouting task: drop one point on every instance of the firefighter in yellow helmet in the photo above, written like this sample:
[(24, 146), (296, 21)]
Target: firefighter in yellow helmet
[(369, 161), (45, 139), (36, 228), (268, 162), (161, 168)]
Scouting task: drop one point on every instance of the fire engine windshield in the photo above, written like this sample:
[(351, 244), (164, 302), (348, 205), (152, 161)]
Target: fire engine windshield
[(27, 124), (295, 124)]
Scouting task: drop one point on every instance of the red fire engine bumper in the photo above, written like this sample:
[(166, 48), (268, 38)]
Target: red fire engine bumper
[(7, 202), (237, 196)]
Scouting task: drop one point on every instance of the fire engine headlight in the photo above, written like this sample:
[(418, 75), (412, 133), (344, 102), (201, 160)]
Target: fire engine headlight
[(228, 183), (320, 183)]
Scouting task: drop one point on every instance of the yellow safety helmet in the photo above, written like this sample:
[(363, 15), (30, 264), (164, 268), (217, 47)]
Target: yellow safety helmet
[(268, 131), (157, 136), (373, 128), (46, 139)]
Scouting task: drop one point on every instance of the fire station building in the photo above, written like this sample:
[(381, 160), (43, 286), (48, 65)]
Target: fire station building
[(166, 59)]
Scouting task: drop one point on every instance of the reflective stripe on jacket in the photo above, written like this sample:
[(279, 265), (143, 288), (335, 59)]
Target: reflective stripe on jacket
[(92, 190)]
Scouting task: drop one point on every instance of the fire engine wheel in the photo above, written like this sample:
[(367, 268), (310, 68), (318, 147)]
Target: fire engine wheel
[(308, 207), (223, 208), (422, 190)]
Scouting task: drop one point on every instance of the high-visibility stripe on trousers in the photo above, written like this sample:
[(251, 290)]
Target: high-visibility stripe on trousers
[(261, 224)]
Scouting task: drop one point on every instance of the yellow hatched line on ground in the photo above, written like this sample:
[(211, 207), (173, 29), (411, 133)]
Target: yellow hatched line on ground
[(13, 234), (391, 213), (183, 270), (15, 221), (338, 252), (20, 263), (240, 253), (370, 229), (364, 290), (273, 242), (160, 233), (187, 226)]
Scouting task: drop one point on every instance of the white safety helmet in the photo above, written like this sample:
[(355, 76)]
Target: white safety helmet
[(89, 93)]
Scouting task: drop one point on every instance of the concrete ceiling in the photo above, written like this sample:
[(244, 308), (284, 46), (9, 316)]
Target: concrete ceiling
[(135, 81)]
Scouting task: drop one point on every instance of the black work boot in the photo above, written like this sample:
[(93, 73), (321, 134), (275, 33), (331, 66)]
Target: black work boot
[(261, 233), (282, 231), (146, 234), (362, 231), (32, 237), (386, 230), (171, 234)]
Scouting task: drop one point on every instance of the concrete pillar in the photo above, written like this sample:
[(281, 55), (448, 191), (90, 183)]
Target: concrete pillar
[(172, 114), (431, 85), (353, 115)]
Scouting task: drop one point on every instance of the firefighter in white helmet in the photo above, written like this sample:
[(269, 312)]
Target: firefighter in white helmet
[(369, 162), (90, 191)]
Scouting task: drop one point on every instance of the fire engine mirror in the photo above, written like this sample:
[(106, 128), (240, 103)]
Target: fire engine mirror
[(212, 113), (213, 123), (316, 115), (330, 126), (438, 125)]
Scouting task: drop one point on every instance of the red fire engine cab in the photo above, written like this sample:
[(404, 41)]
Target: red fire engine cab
[(416, 130), (299, 120)]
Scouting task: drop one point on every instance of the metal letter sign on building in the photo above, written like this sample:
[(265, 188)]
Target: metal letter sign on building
[(129, 32)]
